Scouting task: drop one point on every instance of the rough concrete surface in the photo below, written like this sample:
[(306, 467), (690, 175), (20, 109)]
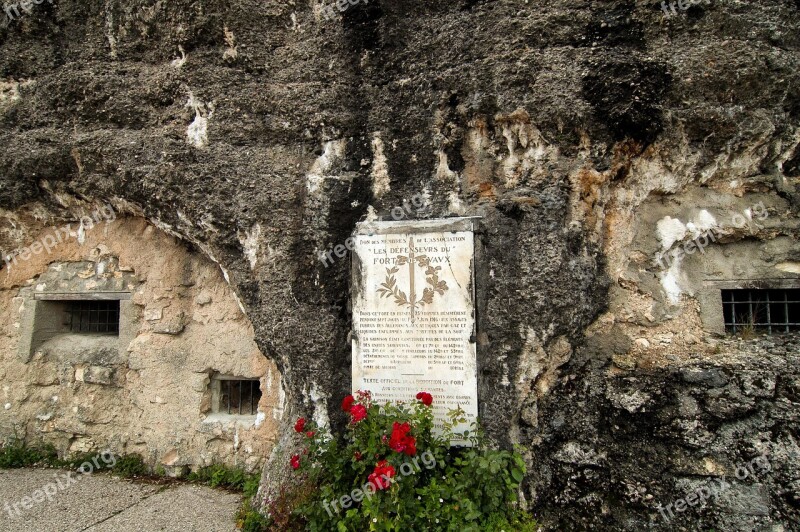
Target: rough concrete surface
[(104, 503), (182, 325)]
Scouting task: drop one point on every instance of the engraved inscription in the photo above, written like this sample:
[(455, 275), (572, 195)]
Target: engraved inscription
[(413, 319)]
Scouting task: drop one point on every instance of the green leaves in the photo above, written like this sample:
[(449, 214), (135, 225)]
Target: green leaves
[(439, 488)]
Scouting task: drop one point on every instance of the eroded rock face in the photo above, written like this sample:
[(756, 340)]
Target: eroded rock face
[(588, 138)]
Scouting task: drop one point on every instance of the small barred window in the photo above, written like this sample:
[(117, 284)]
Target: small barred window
[(93, 317), (238, 397), (772, 311)]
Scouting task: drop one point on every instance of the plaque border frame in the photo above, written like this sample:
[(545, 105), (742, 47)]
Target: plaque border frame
[(438, 225)]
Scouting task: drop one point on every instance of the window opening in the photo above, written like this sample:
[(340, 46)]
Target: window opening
[(100, 317), (772, 311)]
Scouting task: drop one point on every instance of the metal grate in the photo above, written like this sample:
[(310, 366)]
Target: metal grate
[(771, 311), (93, 317), (240, 397)]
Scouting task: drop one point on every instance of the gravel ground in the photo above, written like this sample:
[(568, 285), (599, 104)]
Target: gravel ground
[(104, 503)]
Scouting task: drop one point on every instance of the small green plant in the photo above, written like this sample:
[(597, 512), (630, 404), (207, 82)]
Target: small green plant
[(220, 476), (282, 509), (390, 471), (250, 486), (748, 331), (16, 454), (249, 519), (129, 466)]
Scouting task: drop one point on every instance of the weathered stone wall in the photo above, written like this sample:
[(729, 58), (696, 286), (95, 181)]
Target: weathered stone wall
[(261, 133), (148, 390), (626, 446)]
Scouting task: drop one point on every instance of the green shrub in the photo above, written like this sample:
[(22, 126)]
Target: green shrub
[(130, 465), (19, 454), (250, 520), (250, 486), (16, 454), (220, 476), (399, 475)]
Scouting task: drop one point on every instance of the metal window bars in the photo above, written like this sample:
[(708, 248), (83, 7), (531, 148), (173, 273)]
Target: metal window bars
[(769, 310), (93, 317), (240, 397)]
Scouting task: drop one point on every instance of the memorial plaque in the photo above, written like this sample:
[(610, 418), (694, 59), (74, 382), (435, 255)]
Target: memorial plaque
[(413, 313)]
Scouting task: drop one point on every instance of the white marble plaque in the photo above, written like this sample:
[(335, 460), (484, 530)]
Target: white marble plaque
[(413, 313)]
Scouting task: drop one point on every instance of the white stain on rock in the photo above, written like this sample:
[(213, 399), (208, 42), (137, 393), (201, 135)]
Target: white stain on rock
[(197, 132), (230, 52), (443, 171), (82, 233), (670, 230), (9, 92), (250, 244), (333, 151), (788, 267), (529, 154), (277, 411), (702, 222), (381, 184), (320, 407), (109, 24), (179, 61), (455, 205), (372, 214), (672, 280)]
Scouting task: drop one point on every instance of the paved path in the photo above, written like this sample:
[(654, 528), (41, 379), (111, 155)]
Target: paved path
[(102, 503)]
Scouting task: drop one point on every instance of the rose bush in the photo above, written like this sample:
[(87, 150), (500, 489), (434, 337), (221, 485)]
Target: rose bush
[(390, 471)]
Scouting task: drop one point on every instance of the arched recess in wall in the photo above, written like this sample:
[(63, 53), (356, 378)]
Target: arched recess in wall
[(117, 335)]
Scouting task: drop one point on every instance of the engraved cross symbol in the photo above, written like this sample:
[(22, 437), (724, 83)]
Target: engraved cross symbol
[(411, 258), (389, 288)]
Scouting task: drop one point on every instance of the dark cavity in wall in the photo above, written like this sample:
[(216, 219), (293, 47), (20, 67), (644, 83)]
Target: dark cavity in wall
[(469, 4), (627, 96), (454, 134), (695, 12), (615, 27), (791, 168), (363, 24)]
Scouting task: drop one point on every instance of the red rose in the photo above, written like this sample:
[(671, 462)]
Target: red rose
[(347, 403), (400, 440), (411, 446), (310, 433), (301, 423), (359, 413), (295, 461), (425, 397), (357, 455), (381, 476)]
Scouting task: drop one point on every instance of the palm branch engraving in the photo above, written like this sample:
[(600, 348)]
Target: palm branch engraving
[(389, 288)]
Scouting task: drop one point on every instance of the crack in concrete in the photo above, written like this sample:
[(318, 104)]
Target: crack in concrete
[(138, 502)]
